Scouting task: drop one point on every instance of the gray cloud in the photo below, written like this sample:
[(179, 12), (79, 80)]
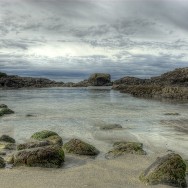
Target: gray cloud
[(124, 37)]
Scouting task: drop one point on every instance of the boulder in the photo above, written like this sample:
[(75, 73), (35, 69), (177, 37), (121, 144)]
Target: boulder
[(3, 106), (49, 156), (2, 162), (30, 145), (123, 148), (79, 147), (6, 138), (100, 79), (46, 135), (169, 169), (110, 127), (5, 110), (7, 145)]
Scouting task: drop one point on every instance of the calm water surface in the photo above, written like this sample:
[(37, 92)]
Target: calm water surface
[(79, 112)]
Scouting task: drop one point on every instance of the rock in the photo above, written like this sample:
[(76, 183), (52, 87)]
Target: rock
[(172, 114), (100, 79), (8, 146), (2, 153), (6, 138), (110, 126), (27, 82), (171, 85), (2, 74), (4, 111), (49, 156), (2, 162), (169, 169), (33, 145), (79, 147), (46, 135), (3, 106), (123, 148)]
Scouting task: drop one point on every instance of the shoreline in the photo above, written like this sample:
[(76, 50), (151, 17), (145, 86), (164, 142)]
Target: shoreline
[(116, 173)]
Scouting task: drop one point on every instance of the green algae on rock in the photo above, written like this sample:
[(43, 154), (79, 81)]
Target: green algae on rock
[(49, 156), (2, 162), (79, 147), (5, 110), (169, 169), (6, 138), (123, 148), (50, 136)]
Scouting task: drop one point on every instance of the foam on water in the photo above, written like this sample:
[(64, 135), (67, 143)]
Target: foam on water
[(78, 112)]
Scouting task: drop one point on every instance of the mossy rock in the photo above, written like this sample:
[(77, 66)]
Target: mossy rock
[(100, 79), (7, 146), (43, 134), (4, 111), (6, 138), (49, 157), (50, 136), (2, 162), (79, 147), (3, 106), (30, 145), (169, 169), (110, 127), (186, 163), (123, 148)]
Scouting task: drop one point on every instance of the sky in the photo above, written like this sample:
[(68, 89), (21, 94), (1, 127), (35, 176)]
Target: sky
[(70, 39)]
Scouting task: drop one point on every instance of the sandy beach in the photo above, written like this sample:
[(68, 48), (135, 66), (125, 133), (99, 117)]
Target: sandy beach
[(116, 173)]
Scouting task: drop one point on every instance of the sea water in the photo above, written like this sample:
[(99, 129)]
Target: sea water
[(79, 113)]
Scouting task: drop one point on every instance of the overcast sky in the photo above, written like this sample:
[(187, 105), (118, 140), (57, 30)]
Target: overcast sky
[(69, 39)]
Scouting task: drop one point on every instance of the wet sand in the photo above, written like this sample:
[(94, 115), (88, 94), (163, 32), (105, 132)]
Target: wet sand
[(116, 173)]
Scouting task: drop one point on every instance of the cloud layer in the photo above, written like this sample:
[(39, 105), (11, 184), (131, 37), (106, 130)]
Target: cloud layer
[(68, 40)]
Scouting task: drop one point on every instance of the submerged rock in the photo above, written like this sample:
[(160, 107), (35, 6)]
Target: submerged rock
[(6, 138), (46, 135), (79, 147), (49, 156), (169, 169), (110, 126), (33, 145), (123, 148), (172, 114), (2, 162), (100, 79)]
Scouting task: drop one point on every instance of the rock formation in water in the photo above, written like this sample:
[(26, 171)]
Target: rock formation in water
[(172, 85), (7, 81)]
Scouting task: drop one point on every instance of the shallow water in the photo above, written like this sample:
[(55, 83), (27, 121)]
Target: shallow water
[(79, 112)]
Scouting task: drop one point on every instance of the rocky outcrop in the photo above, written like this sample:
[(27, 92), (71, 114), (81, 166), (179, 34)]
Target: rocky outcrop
[(172, 85), (49, 136), (169, 169), (49, 156), (100, 79), (26, 82), (123, 148), (76, 146)]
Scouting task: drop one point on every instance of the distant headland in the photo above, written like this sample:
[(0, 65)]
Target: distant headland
[(173, 84)]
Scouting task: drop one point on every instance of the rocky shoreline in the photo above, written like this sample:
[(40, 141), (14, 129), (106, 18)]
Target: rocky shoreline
[(171, 85)]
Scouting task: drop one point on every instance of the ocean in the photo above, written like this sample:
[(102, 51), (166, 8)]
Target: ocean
[(80, 112)]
